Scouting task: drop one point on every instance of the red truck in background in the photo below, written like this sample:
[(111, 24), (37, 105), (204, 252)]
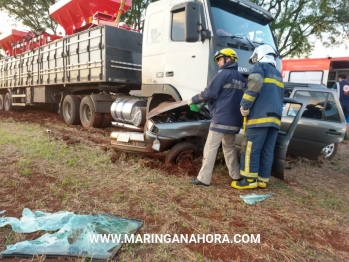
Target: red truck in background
[(315, 70)]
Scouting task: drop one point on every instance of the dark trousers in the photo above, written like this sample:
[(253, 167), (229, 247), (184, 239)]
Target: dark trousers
[(345, 108), (257, 160)]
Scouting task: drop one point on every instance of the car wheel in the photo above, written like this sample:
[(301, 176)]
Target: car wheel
[(330, 150), (182, 151)]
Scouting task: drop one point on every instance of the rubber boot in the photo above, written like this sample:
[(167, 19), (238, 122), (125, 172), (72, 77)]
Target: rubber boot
[(245, 183), (261, 184)]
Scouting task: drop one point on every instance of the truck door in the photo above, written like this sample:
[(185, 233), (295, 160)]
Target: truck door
[(186, 63), (322, 123)]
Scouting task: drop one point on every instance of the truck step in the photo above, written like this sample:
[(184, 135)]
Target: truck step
[(18, 104), (21, 95)]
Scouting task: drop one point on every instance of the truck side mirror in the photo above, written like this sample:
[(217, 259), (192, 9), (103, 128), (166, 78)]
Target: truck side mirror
[(192, 21)]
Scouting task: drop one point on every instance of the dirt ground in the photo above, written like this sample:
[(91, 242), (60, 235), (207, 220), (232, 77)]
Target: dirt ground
[(333, 238), (97, 136)]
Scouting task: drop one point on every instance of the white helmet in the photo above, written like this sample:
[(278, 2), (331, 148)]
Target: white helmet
[(265, 54)]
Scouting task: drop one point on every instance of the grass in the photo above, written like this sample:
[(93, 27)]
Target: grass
[(306, 219)]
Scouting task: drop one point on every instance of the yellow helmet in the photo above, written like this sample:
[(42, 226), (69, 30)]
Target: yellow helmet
[(227, 52)]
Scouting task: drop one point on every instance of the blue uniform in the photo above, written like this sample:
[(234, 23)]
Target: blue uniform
[(265, 106), (223, 95), (263, 122), (343, 97)]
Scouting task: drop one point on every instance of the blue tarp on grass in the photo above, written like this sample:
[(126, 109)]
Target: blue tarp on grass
[(74, 236)]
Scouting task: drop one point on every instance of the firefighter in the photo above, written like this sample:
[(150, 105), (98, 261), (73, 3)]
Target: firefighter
[(223, 95), (262, 104)]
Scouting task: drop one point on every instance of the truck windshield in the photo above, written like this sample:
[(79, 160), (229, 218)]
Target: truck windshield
[(238, 21)]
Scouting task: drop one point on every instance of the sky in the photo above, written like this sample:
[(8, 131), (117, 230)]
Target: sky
[(319, 51)]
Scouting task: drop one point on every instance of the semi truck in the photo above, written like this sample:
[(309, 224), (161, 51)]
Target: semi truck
[(102, 73)]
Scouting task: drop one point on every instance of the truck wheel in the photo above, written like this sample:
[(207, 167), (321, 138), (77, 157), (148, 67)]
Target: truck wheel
[(71, 104), (330, 151), (181, 151), (2, 98), (8, 103), (88, 115)]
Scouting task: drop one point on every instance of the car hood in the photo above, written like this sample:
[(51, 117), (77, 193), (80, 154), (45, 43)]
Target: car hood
[(167, 107)]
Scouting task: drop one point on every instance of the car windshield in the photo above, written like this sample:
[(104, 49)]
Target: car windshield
[(235, 20)]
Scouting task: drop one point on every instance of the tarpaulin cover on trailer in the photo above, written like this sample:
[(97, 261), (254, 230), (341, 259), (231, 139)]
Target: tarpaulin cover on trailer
[(76, 235)]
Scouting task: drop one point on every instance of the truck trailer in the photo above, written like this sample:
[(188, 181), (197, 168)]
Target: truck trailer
[(103, 71)]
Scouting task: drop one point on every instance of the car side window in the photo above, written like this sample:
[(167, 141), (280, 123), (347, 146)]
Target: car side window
[(320, 105), (331, 110), (290, 109)]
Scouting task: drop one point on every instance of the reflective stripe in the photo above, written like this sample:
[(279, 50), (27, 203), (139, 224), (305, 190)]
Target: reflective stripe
[(233, 86), (273, 81), (264, 120), (247, 172), (225, 127), (250, 174), (248, 97), (248, 156), (263, 179)]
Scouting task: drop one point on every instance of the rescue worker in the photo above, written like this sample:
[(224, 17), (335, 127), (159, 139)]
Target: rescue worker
[(342, 87), (223, 95), (262, 105)]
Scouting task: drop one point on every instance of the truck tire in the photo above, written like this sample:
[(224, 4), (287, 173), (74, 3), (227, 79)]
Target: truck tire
[(71, 105), (182, 150), (8, 103), (88, 116), (2, 98)]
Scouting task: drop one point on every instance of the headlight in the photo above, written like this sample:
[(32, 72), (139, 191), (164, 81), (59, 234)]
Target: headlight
[(149, 125)]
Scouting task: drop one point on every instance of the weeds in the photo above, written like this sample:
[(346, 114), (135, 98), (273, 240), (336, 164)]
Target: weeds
[(304, 221)]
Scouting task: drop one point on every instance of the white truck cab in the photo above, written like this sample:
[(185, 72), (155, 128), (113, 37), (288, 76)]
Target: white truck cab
[(180, 40)]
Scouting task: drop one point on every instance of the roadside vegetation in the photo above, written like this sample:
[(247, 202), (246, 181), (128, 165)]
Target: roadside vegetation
[(305, 220)]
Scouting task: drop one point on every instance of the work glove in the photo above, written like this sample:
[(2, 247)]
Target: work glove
[(244, 111), (193, 107)]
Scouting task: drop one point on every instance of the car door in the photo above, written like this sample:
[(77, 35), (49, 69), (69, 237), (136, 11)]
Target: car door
[(284, 136), (322, 123)]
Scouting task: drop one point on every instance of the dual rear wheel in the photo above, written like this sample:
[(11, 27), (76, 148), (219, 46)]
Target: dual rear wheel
[(5, 102), (76, 110), (2, 98)]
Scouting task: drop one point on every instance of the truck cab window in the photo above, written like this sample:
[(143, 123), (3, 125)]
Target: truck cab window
[(177, 30), (233, 20)]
